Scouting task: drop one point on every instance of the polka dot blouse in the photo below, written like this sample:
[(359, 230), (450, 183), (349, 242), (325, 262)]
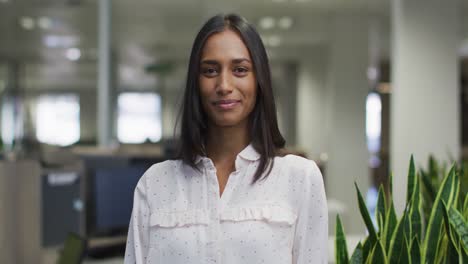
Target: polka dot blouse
[(179, 217)]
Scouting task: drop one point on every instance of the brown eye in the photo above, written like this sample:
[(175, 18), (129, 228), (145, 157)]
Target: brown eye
[(209, 71), (241, 71)]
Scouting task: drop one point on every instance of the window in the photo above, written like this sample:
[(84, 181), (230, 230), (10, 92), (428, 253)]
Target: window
[(10, 116), (373, 122), (58, 119), (139, 117)]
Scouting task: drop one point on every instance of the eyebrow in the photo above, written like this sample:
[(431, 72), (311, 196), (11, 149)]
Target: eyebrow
[(236, 61)]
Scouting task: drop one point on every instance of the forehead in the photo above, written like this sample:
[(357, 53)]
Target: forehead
[(225, 45)]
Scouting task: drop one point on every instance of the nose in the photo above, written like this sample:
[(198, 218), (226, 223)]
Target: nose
[(223, 84)]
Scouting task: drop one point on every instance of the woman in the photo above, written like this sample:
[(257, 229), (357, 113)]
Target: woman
[(230, 197)]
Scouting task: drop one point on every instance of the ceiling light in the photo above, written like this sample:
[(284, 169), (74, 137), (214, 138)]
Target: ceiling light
[(73, 54), (44, 22), (27, 22), (267, 22), (285, 22)]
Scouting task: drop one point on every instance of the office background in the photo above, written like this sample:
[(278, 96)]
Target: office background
[(90, 92)]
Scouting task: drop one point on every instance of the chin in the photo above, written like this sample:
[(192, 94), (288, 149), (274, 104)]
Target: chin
[(228, 122)]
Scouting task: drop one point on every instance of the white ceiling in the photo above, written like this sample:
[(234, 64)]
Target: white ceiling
[(152, 28), (145, 31)]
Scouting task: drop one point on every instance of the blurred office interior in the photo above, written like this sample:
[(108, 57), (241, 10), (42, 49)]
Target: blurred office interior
[(90, 91)]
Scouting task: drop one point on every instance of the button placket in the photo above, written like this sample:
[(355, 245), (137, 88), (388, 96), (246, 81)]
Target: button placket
[(213, 230)]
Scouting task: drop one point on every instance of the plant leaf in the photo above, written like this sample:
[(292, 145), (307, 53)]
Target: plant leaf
[(411, 180), (380, 211), (369, 257), (429, 194), (433, 168), (415, 212), (465, 207), (451, 255), (459, 226), (441, 250), (367, 248), (452, 249), (457, 188), (397, 243), (381, 232), (378, 254), (405, 253), (426, 180), (390, 225), (365, 215), (463, 255), (445, 194), (357, 257), (448, 231), (407, 225), (415, 251), (464, 188), (341, 251)]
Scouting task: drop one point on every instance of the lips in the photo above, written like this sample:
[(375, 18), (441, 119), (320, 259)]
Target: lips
[(226, 104)]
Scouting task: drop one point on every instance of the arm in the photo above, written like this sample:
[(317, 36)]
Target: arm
[(311, 235), (138, 230)]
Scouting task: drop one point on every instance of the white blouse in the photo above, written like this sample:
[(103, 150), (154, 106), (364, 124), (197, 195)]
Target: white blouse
[(179, 217)]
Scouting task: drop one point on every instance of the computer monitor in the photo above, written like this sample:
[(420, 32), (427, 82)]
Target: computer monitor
[(111, 199), (110, 185), (113, 196)]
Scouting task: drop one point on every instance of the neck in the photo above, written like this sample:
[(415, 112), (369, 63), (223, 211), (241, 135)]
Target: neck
[(224, 143)]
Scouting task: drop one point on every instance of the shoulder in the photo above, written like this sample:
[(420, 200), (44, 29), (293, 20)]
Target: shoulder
[(162, 168), (159, 171), (298, 164), (299, 168)]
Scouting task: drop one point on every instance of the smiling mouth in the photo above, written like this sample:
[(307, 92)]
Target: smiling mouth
[(226, 104)]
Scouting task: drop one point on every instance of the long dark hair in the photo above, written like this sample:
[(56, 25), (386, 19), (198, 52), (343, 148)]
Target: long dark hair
[(264, 132)]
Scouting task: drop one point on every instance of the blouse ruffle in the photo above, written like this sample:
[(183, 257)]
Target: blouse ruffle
[(272, 214)]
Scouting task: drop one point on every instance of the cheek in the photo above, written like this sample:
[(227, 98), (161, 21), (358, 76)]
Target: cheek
[(204, 91), (202, 84), (250, 92), (252, 102)]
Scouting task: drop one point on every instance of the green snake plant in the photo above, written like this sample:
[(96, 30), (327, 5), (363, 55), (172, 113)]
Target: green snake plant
[(439, 237)]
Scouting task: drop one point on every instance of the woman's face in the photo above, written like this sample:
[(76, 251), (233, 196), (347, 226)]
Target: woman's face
[(227, 80)]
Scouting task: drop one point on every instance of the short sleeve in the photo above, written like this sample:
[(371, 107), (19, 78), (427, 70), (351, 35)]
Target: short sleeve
[(311, 234), (138, 232)]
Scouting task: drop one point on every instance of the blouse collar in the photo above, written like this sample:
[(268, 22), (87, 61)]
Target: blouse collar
[(248, 153)]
